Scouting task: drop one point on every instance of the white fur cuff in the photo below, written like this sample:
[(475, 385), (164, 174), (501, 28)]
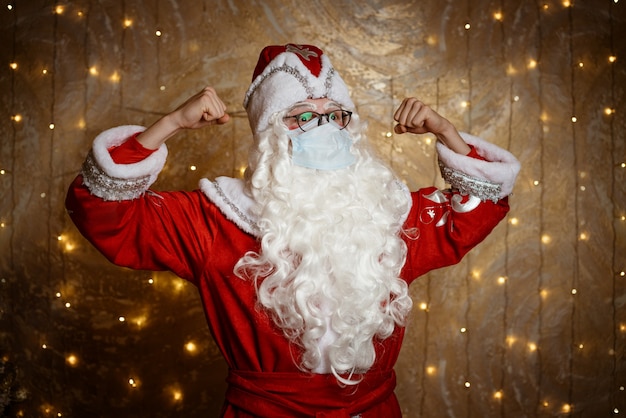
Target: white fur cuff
[(111, 181), (489, 180)]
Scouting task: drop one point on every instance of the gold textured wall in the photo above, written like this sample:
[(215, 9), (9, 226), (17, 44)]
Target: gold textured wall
[(531, 323)]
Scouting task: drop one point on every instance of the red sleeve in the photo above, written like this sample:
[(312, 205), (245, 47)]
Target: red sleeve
[(130, 151), (444, 226), (158, 231), (474, 154)]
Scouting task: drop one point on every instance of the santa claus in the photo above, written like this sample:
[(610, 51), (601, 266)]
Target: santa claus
[(303, 266)]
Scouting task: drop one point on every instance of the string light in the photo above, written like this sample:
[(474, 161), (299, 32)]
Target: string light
[(510, 70), (140, 321), (498, 16), (177, 395), (510, 340)]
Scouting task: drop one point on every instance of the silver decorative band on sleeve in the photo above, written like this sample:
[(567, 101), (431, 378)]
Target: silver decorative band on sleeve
[(106, 187), (468, 185)]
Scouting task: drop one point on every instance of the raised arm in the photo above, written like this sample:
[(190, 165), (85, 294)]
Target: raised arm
[(109, 204), (445, 225), (415, 117), (202, 109)]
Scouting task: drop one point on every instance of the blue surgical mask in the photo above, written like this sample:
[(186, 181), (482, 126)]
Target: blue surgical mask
[(326, 147)]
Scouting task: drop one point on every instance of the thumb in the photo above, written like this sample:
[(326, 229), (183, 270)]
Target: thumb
[(223, 119), (399, 129)]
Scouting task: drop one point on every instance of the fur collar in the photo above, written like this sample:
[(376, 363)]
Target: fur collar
[(229, 196)]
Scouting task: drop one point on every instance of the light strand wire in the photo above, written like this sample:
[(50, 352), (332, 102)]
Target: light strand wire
[(542, 201), (574, 279)]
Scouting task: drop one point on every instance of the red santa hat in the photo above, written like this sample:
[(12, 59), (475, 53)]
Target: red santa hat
[(287, 74)]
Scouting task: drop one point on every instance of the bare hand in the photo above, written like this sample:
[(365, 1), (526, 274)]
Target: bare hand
[(203, 109), (415, 117)]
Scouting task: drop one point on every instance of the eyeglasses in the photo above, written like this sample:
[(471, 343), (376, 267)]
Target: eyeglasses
[(303, 120)]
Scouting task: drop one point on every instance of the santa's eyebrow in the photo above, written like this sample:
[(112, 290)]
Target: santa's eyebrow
[(306, 105), (330, 104)]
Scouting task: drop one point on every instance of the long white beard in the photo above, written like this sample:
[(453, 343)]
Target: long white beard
[(330, 257)]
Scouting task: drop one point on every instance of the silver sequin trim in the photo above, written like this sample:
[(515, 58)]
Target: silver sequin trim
[(106, 187), (235, 208), (468, 185), (289, 70)]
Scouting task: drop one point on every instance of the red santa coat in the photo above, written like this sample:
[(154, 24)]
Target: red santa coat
[(195, 238)]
